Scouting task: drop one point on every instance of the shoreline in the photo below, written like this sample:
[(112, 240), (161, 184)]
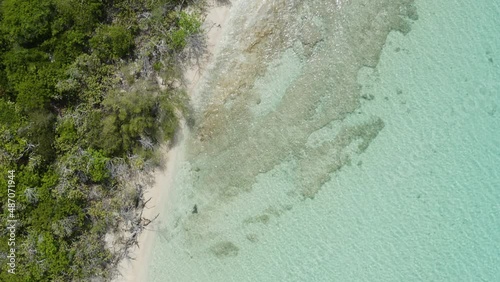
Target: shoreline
[(215, 25), (137, 269)]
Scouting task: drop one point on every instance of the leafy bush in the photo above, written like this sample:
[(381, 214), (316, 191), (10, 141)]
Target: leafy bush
[(187, 25), (97, 169), (112, 42), (67, 135)]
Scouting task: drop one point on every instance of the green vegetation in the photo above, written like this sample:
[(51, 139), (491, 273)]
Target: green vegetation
[(81, 115)]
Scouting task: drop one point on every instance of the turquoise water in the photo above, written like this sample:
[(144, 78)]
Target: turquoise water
[(343, 141)]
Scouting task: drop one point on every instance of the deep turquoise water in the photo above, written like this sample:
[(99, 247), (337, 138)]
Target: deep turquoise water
[(343, 141)]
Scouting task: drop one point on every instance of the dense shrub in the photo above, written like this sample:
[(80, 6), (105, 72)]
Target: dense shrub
[(111, 42)]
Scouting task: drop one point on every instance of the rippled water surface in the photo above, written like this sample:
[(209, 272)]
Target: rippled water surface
[(342, 141)]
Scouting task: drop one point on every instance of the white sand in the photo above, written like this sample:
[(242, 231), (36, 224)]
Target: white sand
[(136, 270), (214, 25)]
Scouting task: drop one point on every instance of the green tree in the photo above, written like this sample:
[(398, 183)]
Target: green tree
[(27, 22), (112, 42), (128, 117)]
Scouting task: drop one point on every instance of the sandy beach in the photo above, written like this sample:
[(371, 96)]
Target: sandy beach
[(136, 270)]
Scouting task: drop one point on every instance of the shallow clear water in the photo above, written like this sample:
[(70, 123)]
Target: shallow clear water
[(343, 141)]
